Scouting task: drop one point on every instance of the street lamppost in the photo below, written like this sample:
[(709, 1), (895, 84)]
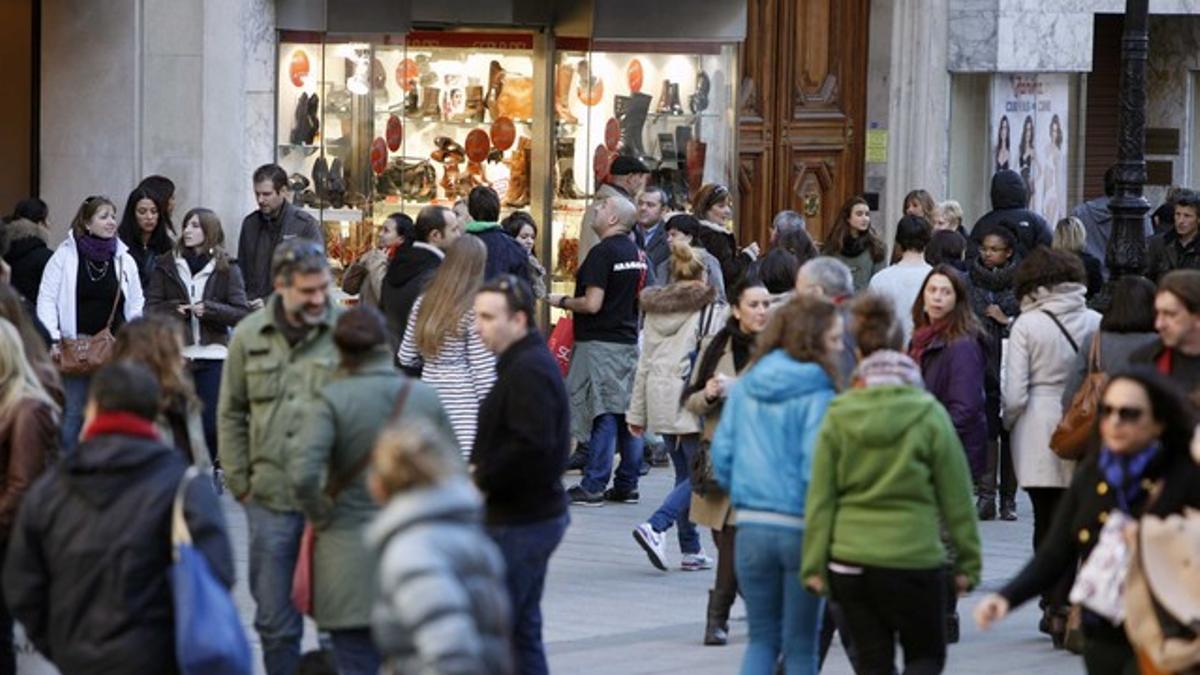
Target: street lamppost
[(1127, 246)]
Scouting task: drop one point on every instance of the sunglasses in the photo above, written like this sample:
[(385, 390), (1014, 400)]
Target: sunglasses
[(1123, 413)]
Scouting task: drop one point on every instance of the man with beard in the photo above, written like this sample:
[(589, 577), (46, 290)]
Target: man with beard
[(279, 356), (274, 222)]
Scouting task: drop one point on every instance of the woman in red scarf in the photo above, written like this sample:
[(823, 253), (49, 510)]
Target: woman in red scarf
[(365, 275)]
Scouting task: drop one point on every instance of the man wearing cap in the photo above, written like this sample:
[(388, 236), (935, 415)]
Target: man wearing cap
[(626, 178)]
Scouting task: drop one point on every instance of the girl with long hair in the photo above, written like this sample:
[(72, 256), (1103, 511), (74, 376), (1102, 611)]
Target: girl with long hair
[(197, 286), (921, 204), (722, 357), (91, 283), (441, 342), (853, 241), (520, 226), (1027, 160), (762, 456), (146, 229), (1142, 468), (887, 470), (13, 309), (157, 342), (677, 316), (28, 444)]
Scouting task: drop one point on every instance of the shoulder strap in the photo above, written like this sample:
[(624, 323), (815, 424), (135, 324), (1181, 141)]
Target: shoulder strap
[(343, 481), (112, 313), (180, 535), (1074, 345), (1094, 354)]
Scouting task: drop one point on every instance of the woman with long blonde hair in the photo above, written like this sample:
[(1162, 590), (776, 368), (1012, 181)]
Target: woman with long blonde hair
[(440, 339), (29, 438)]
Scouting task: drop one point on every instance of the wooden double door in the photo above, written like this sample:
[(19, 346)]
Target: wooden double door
[(802, 110)]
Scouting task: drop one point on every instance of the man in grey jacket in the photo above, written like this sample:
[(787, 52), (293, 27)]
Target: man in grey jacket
[(275, 221)]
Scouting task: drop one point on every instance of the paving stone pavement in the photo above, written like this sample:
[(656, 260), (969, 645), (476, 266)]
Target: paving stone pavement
[(608, 611)]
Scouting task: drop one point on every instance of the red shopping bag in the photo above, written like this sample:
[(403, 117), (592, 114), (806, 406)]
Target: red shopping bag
[(302, 576), (562, 343)]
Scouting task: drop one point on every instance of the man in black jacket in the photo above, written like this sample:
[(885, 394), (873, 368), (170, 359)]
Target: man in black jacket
[(1179, 247), (88, 559), (275, 221), (413, 266), (1009, 197), (520, 455)]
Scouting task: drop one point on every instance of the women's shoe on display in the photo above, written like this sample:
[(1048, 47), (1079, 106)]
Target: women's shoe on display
[(495, 85), (564, 151), (695, 164), (320, 178), (411, 102), (563, 77), (673, 105), (698, 102), (300, 121), (431, 102), (664, 98), (631, 115), (450, 176), (337, 183), (517, 195), (314, 120), (474, 109)]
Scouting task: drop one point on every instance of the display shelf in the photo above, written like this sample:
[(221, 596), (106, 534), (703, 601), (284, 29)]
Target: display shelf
[(332, 214), (681, 117), (307, 150)]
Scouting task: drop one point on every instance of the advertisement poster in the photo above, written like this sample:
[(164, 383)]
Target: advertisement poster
[(1029, 135)]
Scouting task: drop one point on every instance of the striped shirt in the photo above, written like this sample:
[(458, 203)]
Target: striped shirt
[(462, 373)]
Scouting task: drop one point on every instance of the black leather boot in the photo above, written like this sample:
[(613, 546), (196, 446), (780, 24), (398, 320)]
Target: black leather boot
[(664, 98), (300, 121), (716, 625), (698, 102), (675, 108), (632, 120), (337, 183), (314, 119), (320, 178)]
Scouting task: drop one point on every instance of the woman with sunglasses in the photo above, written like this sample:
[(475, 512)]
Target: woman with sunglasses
[(1143, 467)]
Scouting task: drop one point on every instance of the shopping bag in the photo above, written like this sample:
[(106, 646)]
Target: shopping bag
[(1100, 583), (562, 343), (302, 576), (209, 638)]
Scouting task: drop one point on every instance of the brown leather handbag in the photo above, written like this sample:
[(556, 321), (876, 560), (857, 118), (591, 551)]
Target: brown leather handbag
[(86, 355), (1071, 437)]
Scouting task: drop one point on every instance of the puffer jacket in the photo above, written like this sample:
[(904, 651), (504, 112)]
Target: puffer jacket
[(678, 317), (1037, 366), (1009, 197), (762, 452), (28, 253), (442, 605)]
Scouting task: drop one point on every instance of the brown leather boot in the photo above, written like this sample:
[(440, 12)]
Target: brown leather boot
[(495, 84), (562, 94), (450, 180), (518, 182), (474, 109)]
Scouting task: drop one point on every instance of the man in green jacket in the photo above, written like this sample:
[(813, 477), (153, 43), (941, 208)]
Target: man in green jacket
[(279, 357)]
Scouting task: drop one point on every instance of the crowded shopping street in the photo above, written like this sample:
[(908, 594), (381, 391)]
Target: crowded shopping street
[(771, 337)]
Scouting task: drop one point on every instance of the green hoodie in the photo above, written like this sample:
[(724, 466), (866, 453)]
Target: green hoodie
[(887, 467), (477, 226)]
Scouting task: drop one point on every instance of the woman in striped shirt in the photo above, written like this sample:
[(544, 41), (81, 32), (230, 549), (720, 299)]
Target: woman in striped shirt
[(441, 341)]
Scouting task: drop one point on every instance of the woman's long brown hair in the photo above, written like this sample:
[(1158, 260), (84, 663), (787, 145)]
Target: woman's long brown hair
[(451, 294), (156, 341), (841, 231), (962, 318), (214, 236)]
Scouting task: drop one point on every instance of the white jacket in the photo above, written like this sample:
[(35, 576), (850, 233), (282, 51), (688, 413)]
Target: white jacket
[(1037, 364), (56, 295)]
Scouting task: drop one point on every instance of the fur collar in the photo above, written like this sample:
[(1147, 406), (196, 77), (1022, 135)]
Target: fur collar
[(681, 296), (716, 227), (25, 229)]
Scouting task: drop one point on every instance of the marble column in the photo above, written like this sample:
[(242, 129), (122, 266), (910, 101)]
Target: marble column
[(918, 106)]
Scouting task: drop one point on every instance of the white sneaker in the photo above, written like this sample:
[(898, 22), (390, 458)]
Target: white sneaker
[(652, 543), (693, 562)]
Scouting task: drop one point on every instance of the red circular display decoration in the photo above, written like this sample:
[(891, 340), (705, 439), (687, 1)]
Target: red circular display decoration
[(602, 163), (592, 95), (407, 73), (504, 133), (478, 144), (379, 155), (298, 68), (395, 133), (633, 72), (612, 134)]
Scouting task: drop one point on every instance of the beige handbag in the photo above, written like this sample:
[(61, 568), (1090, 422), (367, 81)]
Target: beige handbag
[(1162, 591)]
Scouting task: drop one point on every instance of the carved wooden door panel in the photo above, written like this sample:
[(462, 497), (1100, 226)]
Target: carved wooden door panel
[(804, 70)]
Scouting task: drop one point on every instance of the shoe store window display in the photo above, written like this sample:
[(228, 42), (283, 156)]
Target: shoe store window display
[(669, 113)]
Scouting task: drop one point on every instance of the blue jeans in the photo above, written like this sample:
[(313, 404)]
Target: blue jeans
[(75, 388), (674, 509), (526, 550), (610, 434), (783, 617), (206, 373), (354, 652), (274, 548)]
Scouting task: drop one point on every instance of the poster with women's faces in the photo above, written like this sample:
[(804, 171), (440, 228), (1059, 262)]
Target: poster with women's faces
[(1029, 136)]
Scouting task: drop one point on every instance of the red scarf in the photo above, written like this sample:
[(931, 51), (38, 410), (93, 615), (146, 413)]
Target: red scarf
[(924, 336), (391, 250), (1163, 362), (120, 423)]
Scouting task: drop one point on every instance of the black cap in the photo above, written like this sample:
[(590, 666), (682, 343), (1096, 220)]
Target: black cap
[(624, 165)]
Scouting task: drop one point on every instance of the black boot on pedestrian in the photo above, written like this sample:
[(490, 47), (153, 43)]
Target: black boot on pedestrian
[(716, 628), (1008, 509), (986, 508), (952, 628), (579, 458)]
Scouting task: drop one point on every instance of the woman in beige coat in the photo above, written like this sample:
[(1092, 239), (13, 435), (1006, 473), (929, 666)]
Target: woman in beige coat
[(1042, 345), (721, 359), (678, 317)]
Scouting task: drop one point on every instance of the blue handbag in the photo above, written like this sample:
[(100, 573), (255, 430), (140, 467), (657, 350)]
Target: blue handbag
[(209, 638)]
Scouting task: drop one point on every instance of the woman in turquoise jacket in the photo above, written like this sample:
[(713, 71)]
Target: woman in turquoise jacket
[(762, 456)]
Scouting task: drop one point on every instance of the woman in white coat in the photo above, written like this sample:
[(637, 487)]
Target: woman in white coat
[(91, 283), (678, 317), (1042, 345)]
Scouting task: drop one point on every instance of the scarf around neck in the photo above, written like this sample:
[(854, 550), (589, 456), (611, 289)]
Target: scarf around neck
[(925, 336), (998, 279), (854, 245), (1124, 473), (195, 260), (96, 249)]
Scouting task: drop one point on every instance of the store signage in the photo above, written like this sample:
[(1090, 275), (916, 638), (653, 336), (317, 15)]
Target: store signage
[(480, 40), (1030, 135)]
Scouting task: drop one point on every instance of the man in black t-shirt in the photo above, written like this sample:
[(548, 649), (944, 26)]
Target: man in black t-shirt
[(603, 364)]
